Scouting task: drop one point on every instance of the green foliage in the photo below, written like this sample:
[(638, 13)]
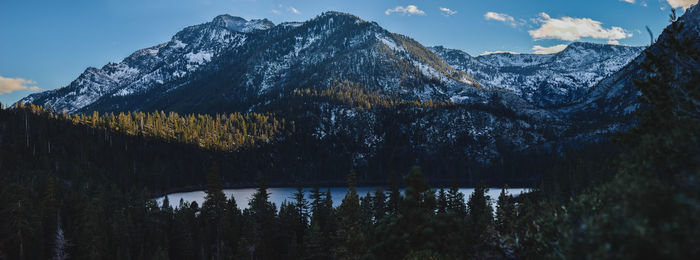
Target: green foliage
[(351, 95), (349, 236), (262, 216), (220, 132), (505, 213), (480, 219), (412, 228), (648, 208), (455, 202), (213, 211), (379, 206)]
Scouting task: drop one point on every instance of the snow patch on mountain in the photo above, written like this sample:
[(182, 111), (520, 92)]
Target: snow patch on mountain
[(199, 58), (389, 43), (178, 44), (545, 80)]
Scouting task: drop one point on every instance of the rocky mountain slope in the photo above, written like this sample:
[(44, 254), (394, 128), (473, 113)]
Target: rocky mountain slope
[(548, 79), (207, 67), (615, 97)]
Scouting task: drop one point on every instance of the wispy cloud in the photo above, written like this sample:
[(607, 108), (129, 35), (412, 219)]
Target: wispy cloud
[(549, 50), (447, 11), (685, 4), (274, 11), (8, 85), (643, 3), (573, 29), (407, 10), (501, 17), (293, 10)]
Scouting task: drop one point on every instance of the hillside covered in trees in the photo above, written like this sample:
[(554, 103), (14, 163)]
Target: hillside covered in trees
[(167, 151)]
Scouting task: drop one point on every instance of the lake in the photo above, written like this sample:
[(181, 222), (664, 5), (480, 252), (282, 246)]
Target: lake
[(278, 195)]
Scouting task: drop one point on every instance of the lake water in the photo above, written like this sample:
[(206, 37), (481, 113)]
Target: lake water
[(278, 195)]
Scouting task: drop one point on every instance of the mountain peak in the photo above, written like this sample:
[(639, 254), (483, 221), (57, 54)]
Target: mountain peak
[(340, 15), (239, 24), (227, 17), (581, 49)]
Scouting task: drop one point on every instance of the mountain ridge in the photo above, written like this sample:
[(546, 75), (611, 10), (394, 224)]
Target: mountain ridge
[(544, 79), (176, 62)]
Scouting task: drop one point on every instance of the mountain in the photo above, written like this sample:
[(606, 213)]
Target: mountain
[(360, 97), (614, 97), (230, 63), (168, 63), (547, 79)]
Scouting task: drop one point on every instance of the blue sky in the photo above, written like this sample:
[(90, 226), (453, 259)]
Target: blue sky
[(45, 44)]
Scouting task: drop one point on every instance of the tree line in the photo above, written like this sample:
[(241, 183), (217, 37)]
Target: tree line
[(100, 221), (227, 132)]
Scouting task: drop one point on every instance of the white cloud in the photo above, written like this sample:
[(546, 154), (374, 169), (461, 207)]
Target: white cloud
[(447, 12), (643, 3), (408, 10), (501, 17), (8, 85), (498, 17), (275, 12), (548, 50), (293, 10), (573, 29), (614, 42), (685, 4)]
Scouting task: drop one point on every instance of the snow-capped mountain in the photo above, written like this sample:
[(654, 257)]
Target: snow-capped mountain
[(615, 97), (159, 65), (500, 103), (207, 67), (547, 79)]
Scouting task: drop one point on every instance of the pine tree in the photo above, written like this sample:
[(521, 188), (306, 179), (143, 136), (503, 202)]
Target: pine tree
[(412, 228), (313, 246), (316, 202), (480, 219), (262, 214), (213, 211), (667, 132), (166, 203), (321, 220), (183, 238), (379, 204), (350, 237), (441, 201), (417, 209), (394, 196), (301, 207), (505, 212), (289, 221), (232, 222), (367, 212), (455, 201)]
